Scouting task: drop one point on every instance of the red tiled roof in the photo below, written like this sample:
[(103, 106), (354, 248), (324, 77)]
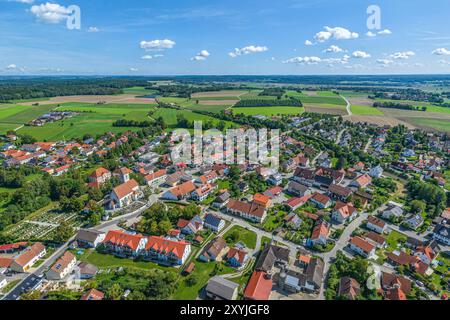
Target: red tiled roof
[(183, 189), (63, 262), (259, 287), (122, 239), (321, 198), (165, 246), (99, 172), (362, 244), (261, 199), (375, 221), (253, 209), (155, 175), (345, 209), (125, 188), (238, 254), (320, 230), (13, 246), (5, 262), (29, 254), (363, 180), (93, 294)]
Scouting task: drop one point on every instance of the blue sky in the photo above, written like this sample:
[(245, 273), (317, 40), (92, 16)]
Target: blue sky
[(172, 37)]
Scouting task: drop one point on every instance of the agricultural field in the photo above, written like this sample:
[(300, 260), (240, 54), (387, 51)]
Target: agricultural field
[(214, 105), (93, 119), (139, 91), (430, 107), (434, 124), (170, 116), (219, 94), (269, 111), (366, 110)]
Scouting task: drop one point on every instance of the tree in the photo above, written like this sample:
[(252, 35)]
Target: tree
[(63, 232), (418, 206), (114, 292), (32, 295)]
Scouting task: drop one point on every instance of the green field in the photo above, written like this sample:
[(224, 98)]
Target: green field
[(247, 237), (94, 119), (191, 104), (269, 111), (139, 91), (323, 97), (430, 107), (170, 116), (366, 111), (436, 124)]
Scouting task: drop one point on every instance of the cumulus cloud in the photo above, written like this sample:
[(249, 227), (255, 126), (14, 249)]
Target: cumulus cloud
[(134, 69), (308, 43), (304, 60), (247, 50), (385, 32), (334, 49), (360, 54), (385, 62), (50, 12), (332, 61), (441, 52), (11, 67), (151, 57), (370, 34), (202, 55), (337, 33), (157, 45), (402, 55), (93, 29)]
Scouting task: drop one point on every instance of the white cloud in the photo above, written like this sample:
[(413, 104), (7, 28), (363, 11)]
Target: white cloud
[(50, 12), (360, 54), (402, 55), (337, 33), (247, 50), (385, 32), (93, 29), (334, 49), (202, 55), (157, 45), (332, 61), (304, 60), (371, 34), (308, 43), (151, 57), (441, 52), (385, 62), (11, 67), (134, 69)]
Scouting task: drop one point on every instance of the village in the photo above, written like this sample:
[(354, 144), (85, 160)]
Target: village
[(322, 226)]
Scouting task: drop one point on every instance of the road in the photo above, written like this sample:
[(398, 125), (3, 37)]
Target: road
[(349, 106), (339, 246)]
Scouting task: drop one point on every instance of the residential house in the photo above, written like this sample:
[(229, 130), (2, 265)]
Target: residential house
[(219, 288), (25, 260), (270, 256), (320, 233), (167, 251), (62, 267), (207, 178), (376, 172), (190, 227), (89, 238), (297, 189), (236, 257), (93, 294), (414, 221), (221, 200), (259, 287), (250, 211), (123, 174), (392, 211), (395, 287), (262, 200), (13, 247), (293, 221), (362, 181), (426, 254), (124, 244), (99, 177), (213, 250), (309, 281), (180, 192), (295, 202), (441, 233), (362, 247), (123, 195), (376, 239), (87, 270), (213, 222), (156, 178), (349, 288), (363, 197), (273, 192), (321, 201), (339, 192), (344, 212), (203, 192), (375, 224)]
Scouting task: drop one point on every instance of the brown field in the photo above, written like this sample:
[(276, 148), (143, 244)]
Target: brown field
[(360, 101), (123, 98), (217, 102), (379, 120), (212, 94)]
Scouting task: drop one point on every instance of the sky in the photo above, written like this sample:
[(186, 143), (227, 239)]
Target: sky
[(211, 37)]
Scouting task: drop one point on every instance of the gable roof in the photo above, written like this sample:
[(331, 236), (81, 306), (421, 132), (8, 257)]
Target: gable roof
[(29, 254), (376, 221), (99, 172), (93, 294), (259, 287), (364, 245), (253, 209), (340, 190), (183, 189), (63, 262), (344, 209), (222, 287), (122, 239), (166, 246), (321, 229), (155, 175), (126, 188), (238, 254)]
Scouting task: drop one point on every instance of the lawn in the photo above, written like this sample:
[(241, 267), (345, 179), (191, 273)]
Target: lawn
[(104, 261), (274, 220), (366, 111), (269, 111), (245, 236), (202, 273), (394, 239), (447, 179), (445, 260)]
